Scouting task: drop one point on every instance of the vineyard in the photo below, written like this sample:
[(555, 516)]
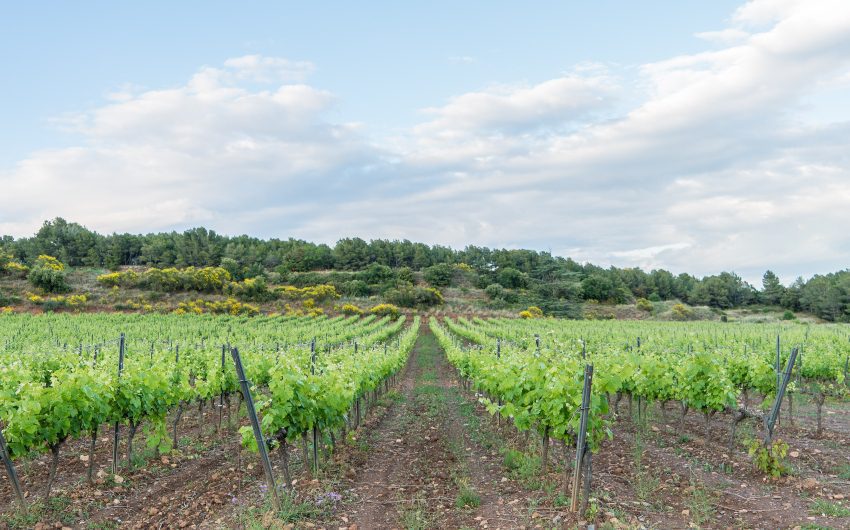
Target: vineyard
[(386, 422)]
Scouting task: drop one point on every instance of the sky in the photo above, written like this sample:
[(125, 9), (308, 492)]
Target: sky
[(693, 136)]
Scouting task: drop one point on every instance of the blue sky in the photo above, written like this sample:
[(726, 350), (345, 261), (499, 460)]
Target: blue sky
[(384, 60), (694, 136)]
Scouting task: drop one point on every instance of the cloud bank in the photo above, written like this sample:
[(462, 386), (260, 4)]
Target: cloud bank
[(700, 163)]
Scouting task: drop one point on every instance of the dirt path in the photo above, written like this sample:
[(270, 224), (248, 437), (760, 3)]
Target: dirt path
[(429, 464)]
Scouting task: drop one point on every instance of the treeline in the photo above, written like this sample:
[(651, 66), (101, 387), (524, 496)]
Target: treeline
[(556, 284)]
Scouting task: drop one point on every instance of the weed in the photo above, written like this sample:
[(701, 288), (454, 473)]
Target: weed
[(645, 482), (561, 500), (843, 471), (415, 517), (53, 509), (645, 485), (524, 466), (823, 507), (699, 504), (770, 460), (592, 510), (291, 510), (102, 525), (467, 497)]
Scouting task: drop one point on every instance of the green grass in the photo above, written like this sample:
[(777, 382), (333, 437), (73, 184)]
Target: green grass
[(700, 505), (467, 497), (522, 465), (823, 507), (561, 500), (102, 525), (291, 510), (53, 509), (843, 471), (415, 516), (645, 482)]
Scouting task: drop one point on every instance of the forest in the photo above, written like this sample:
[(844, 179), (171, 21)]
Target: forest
[(556, 284)]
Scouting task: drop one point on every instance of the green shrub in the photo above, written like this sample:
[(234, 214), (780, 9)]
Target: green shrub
[(355, 288), (253, 289), (9, 299), (233, 268), (404, 274), (512, 278), (409, 296), (439, 275), (49, 274), (376, 274), (494, 291), (788, 315), (644, 305)]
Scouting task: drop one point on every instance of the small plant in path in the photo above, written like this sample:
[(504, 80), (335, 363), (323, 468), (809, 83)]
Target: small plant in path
[(467, 497), (831, 509), (770, 460), (699, 504)]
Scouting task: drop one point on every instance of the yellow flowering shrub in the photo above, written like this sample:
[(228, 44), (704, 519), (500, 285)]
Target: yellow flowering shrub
[(384, 310), (531, 312), (15, 268), (229, 306), (36, 299), (76, 301), (114, 279), (318, 293), (49, 262), (351, 309)]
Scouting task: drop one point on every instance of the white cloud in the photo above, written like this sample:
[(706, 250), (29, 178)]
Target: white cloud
[(189, 155), (716, 167), (724, 37), (523, 107)]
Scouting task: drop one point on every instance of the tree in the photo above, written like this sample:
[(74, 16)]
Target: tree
[(791, 296), (233, 268), (351, 254), (405, 274), (597, 287), (772, 288)]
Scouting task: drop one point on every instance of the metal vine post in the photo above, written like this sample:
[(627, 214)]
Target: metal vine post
[(581, 440), (255, 425)]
